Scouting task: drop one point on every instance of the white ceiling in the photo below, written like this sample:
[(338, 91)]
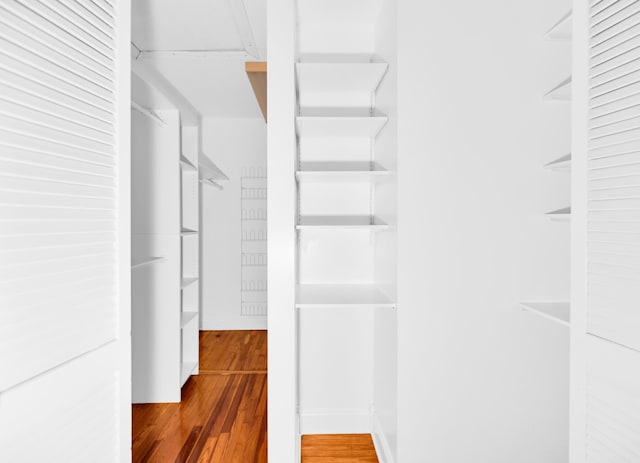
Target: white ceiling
[(209, 67)]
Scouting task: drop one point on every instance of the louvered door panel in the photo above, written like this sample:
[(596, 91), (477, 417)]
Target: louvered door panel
[(613, 209), (613, 403), (57, 184)]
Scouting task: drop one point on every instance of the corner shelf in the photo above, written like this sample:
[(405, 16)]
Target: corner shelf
[(341, 222), (340, 172), (354, 296), (329, 122), (561, 92), (186, 370), (561, 30), (327, 74), (186, 317), (148, 261), (558, 312), (186, 281), (563, 163), (562, 214)]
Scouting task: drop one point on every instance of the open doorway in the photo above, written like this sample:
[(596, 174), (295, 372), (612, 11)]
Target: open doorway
[(199, 232)]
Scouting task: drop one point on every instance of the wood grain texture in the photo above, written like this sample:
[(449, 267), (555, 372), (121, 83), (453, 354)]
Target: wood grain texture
[(237, 351), (222, 416), (338, 448)]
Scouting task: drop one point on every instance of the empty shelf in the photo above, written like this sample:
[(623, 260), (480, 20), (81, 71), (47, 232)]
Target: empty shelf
[(340, 172), (340, 222), (147, 261), (556, 311), (186, 281), (321, 122), (186, 163), (209, 170), (561, 92), (563, 163), (561, 30), (309, 296), (186, 317), (339, 76), (560, 214), (186, 370)]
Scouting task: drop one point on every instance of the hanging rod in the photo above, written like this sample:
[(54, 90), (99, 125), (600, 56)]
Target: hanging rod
[(212, 183), (147, 112)]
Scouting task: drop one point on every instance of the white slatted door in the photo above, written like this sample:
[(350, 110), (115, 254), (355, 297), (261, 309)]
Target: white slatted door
[(612, 342), (64, 231)]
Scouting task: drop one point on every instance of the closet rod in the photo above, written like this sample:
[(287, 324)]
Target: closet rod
[(212, 183), (147, 112)]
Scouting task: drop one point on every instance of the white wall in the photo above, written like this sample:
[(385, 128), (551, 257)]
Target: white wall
[(480, 380), (232, 144)]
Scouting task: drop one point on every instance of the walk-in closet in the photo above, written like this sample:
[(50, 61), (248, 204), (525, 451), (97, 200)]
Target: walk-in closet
[(386, 231)]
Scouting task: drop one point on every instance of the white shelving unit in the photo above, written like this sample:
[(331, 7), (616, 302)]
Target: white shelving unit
[(341, 222), (340, 172), (558, 312), (190, 252), (338, 122), (341, 296)]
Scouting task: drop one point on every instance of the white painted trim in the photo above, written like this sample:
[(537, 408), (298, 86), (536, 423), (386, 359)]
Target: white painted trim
[(335, 421), (380, 442), (241, 19)]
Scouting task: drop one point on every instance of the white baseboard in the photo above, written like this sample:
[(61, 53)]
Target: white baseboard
[(338, 421), (383, 450)]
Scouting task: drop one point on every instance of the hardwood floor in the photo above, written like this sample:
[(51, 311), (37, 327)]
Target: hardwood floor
[(338, 448), (223, 414), (222, 417)]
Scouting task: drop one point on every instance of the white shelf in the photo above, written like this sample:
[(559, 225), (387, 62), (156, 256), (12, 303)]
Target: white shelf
[(186, 163), (308, 296), (328, 122), (561, 92), (340, 172), (563, 163), (186, 370), (560, 214), (209, 170), (561, 30), (148, 261), (187, 166), (187, 232), (186, 281), (558, 312), (320, 76), (186, 317), (340, 222)]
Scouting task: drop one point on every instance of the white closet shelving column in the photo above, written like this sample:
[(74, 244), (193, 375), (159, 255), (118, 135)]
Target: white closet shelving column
[(190, 253)]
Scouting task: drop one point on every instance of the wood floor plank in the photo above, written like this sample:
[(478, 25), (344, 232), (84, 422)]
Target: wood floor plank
[(338, 448)]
